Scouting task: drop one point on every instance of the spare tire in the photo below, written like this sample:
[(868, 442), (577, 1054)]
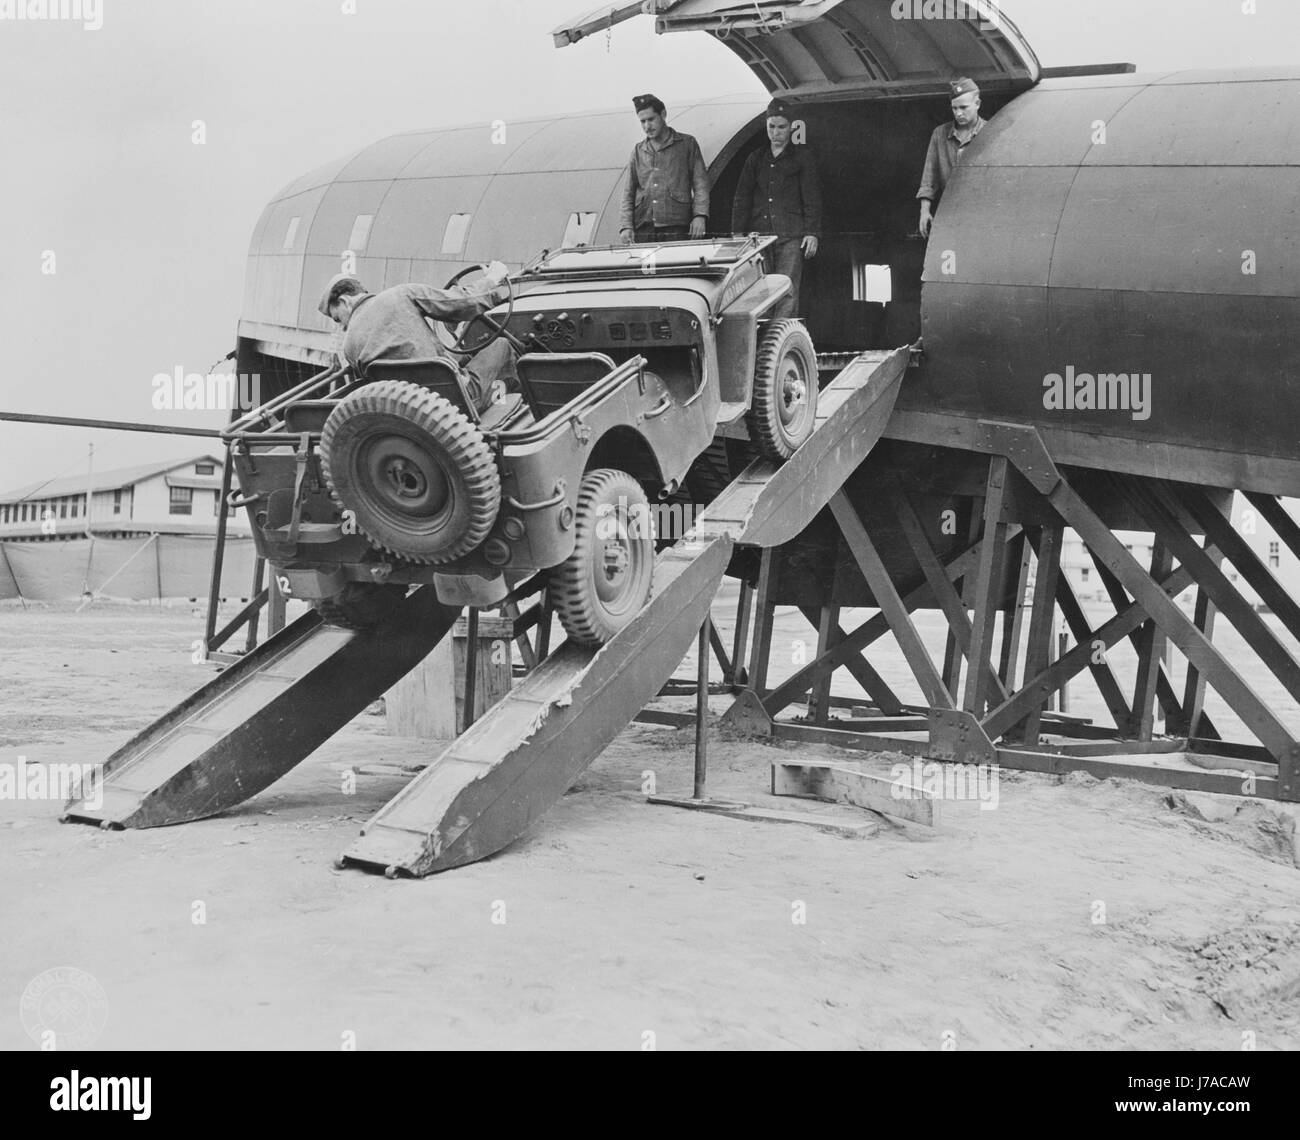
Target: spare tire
[(419, 477)]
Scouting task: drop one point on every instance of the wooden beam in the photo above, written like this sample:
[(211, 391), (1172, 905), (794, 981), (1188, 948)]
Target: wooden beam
[(873, 684), (1151, 651), (1042, 626), (762, 649), (1164, 685), (1035, 689), (891, 605), (1084, 635), (952, 606), (1014, 615), (852, 644), (837, 783), (988, 589)]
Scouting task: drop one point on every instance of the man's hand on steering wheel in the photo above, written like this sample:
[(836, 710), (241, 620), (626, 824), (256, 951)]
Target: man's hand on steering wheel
[(497, 275)]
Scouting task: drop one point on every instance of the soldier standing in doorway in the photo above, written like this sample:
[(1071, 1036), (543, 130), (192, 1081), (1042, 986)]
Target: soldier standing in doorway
[(666, 196), (780, 193), (946, 146)]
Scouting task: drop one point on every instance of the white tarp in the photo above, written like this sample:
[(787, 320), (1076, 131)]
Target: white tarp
[(160, 566)]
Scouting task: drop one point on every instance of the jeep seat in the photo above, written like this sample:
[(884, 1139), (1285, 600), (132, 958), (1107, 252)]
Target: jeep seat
[(437, 375), (552, 379), (453, 385), (307, 415)]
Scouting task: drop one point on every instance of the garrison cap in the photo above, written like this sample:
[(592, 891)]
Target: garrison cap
[(963, 86), (648, 102), (776, 109), (334, 288)]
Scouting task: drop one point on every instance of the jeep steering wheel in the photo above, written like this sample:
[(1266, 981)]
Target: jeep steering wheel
[(458, 344)]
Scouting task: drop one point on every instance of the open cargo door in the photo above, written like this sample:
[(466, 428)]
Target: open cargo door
[(846, 48)]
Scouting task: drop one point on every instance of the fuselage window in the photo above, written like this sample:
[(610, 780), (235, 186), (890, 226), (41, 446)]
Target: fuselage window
[(453, 237), (360, 232)]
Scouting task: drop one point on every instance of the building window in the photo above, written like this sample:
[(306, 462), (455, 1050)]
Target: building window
[(453, 237), (205, 469), (6, 514), (63, 508), (360, 232), (1083, 574), (1275, 554), (22, 512), (182, 501), (117, 501), (580, 229), (76, 503), (291, 233)]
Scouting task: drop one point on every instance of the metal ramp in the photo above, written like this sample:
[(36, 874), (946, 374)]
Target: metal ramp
[(501, 775), (247, 727)]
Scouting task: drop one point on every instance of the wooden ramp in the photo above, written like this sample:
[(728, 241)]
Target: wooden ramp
[(247, 727), (501, 775)]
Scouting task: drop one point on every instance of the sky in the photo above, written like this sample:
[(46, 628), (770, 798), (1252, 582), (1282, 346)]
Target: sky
[(149, 231)]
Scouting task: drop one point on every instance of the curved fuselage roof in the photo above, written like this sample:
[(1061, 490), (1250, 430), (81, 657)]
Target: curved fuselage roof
[(1122, 225), (519, 185)]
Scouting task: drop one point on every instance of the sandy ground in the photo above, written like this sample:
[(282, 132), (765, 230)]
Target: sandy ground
[(615, 919)]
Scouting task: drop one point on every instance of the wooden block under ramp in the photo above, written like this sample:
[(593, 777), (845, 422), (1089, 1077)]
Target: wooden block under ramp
[(423, 703), (838, 784), (429, 702)]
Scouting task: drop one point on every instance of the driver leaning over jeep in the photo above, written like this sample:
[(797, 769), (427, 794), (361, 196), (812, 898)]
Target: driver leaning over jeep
[(392, 325)]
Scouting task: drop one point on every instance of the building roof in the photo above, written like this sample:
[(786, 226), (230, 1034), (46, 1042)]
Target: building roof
[(101, 480)]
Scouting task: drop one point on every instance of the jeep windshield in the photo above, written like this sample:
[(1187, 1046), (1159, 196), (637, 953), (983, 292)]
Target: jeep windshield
[(711, 257)]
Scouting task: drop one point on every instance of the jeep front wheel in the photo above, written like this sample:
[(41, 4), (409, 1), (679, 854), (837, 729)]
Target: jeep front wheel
[(783, 411), (604, 583)]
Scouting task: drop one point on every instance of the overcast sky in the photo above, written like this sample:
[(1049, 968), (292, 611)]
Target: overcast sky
[(150, 231)]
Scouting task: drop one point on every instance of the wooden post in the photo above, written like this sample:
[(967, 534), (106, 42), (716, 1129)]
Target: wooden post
[(763, 618), (254, 618), (491, 661), (702, 708), (819, 698), (737, 676)]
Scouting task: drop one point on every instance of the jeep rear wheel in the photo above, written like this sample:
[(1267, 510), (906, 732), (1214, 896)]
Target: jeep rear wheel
[(360, 605), (420, 478), (604, 583), (784, 408)]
